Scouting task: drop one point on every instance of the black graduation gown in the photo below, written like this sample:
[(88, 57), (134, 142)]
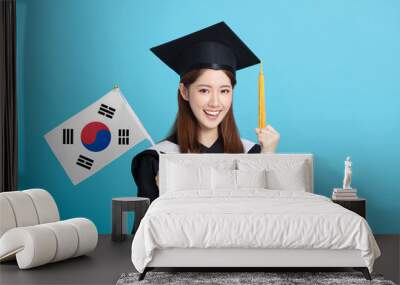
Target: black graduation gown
[(144, 166)]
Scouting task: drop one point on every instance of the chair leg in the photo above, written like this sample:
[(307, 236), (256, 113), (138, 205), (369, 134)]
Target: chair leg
[(364, 271), (143, 274)]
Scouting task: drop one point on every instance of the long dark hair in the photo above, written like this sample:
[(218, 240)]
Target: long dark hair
[(186, 127)]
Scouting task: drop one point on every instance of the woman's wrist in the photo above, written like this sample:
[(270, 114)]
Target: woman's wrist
[(268, 149)]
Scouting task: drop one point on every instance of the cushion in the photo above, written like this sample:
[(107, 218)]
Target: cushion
[(26, 208), (228, 179), (183, 177), (223, 179), (45, 206), (7, 220), (23, 208), (251, 178), (281, 174), (87, 233), (290, 179)]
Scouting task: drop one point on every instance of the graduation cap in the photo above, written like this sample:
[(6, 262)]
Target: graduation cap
[(215, 47)]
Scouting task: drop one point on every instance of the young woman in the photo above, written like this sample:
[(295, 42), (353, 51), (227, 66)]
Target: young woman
[(205, 121)]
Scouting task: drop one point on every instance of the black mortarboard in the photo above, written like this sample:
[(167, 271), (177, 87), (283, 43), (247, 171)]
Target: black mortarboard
[(215, 47)]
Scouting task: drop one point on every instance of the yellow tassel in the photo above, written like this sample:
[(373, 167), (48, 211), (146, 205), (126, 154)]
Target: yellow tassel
[(261, 100)]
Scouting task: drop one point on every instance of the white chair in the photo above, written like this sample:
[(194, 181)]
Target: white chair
[(32, 233)]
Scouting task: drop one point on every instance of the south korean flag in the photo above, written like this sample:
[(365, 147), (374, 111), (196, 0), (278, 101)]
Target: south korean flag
[(97, 135)]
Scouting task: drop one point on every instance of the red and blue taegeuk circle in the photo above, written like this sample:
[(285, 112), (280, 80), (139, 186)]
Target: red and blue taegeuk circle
[(95, 136)]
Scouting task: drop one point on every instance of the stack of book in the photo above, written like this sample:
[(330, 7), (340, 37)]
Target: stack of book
[(344, 194)]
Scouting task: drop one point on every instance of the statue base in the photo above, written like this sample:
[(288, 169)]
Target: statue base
[(345, 190)]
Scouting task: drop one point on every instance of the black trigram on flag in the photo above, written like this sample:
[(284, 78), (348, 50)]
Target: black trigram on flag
[(123, 136), (106, 111), (85, 162), (68, 136)]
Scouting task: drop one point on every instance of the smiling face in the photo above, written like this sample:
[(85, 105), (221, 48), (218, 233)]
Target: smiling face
[(209, 97)]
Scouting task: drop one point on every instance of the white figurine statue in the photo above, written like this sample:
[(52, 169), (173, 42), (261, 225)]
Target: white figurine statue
[(347, 174)]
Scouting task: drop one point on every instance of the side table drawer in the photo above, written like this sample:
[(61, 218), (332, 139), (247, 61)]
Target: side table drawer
[(357, 206)]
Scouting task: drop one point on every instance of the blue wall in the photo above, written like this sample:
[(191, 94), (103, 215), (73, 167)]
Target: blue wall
[(332, 81)]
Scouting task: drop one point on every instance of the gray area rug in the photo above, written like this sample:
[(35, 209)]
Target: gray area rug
[(229, 278)]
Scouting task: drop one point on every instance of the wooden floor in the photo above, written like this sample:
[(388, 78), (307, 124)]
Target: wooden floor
[(103, 266), (389, 262), (111, 259)]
